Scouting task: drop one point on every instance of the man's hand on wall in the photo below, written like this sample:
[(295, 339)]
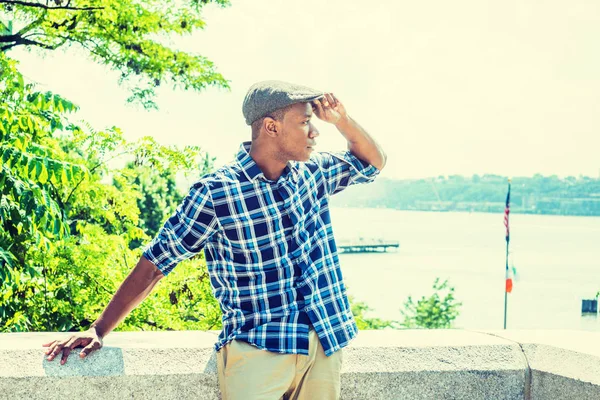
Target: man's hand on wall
[(89, 340)]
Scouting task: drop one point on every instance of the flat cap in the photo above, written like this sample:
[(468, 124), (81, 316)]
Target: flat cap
[(267, 96)]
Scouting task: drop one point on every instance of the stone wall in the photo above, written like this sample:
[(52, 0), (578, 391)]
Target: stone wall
[(388, 364)]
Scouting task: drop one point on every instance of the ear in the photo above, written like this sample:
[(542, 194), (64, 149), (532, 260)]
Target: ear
[(271, 127)]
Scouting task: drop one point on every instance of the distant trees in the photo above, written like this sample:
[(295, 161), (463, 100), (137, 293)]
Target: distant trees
[(434, 312), (437, 311), (484, 193)]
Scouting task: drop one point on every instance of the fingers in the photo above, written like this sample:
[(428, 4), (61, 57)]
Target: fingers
[(95, 345), (336, 101), (329, 102), (65, 355), (70, 345), (66, 346), (328, 108), (319, 108), (54, 350)]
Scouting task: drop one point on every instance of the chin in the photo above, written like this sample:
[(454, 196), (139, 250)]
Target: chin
[(306, 157), (302, 157)]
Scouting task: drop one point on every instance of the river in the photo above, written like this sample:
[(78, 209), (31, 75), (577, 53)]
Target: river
[(557, 260)]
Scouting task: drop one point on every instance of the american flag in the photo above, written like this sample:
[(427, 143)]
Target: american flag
[(506, 213), (509, 282)]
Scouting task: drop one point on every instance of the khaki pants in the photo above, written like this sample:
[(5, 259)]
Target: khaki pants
[(247, 372)]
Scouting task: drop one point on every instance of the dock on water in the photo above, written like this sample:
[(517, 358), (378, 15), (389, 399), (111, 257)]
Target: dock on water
[(362, 245)]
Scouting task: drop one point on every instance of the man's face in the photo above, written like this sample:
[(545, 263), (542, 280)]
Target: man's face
[(297, 139)]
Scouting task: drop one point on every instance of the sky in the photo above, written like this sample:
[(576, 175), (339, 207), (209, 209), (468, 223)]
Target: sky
[(463, 87)]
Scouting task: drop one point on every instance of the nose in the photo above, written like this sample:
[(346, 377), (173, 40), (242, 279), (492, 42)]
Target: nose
[(313, 132)]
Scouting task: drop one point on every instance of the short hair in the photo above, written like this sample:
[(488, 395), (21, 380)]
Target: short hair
[(276, 115)]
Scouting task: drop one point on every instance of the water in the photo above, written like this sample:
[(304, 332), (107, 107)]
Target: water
[(557, 260)]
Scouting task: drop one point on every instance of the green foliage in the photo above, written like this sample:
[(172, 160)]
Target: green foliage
[(434, 312), (159, 198), (33, 170), (70, 224), (159, 193), (359, 311), (487, 193), (184, 301), (126, 35)]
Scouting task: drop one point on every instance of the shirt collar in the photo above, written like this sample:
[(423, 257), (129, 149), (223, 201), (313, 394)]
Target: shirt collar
[(253, 171)]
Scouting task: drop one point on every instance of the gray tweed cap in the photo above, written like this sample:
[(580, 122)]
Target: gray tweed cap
[(267, 96)]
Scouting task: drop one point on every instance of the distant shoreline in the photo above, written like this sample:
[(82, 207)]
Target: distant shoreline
[(537, 195), (512, 211)]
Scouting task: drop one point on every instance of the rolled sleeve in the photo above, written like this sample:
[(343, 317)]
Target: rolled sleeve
[(185, 233), (343, 169)]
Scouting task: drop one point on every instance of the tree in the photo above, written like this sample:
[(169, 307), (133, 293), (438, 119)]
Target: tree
[(126, 35), (67, 237), (433, 312), (33, 171), (65, 233)]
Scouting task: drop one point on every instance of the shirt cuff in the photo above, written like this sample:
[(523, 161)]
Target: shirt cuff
[(359, 168), (159, 257)]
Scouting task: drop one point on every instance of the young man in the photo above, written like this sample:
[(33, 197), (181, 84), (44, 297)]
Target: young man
[(263, 222)]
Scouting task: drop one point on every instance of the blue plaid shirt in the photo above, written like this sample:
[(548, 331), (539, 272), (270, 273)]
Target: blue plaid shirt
[(269, 248)]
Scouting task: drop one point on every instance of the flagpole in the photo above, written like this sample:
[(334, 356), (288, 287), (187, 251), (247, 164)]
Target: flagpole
[(506, 277), (506, 280)]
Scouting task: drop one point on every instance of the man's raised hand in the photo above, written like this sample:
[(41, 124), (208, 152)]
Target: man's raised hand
[(329, 109)]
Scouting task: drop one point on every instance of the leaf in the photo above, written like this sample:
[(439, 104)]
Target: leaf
[(28, 202), (18, 144), (43, 176), (59, 104), (14, 159), (57, 225), (38, 168), (6, 155), (43, 222), (40, 213), (23, 123), (63, 175)]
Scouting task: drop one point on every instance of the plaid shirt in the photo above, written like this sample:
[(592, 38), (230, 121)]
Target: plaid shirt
[(269, 248)]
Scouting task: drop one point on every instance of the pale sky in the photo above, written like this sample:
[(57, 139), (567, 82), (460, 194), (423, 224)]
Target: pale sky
[(469, 86)]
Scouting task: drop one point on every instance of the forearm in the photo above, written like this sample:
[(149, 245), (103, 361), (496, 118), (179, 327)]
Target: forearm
[(134, 289), (361, 144)]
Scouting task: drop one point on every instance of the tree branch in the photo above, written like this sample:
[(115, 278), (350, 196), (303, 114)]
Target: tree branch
[(18, 40), (90, 173), (22, 41), (44, 6), (29, 27)]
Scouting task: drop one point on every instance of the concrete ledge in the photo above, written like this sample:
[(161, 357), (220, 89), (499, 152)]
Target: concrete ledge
[(406, 364), (564, 364)]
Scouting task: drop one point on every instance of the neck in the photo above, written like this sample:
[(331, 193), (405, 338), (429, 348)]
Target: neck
[(271, 167)]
